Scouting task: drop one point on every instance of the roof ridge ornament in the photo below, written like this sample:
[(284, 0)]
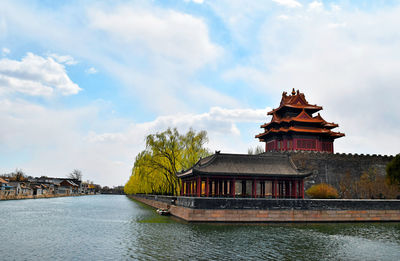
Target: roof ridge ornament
[(293, 92)]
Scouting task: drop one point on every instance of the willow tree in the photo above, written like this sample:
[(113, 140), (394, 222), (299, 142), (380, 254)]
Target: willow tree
[(166, 153)]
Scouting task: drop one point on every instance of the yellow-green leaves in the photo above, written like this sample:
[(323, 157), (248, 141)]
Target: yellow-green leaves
[(166, 153)]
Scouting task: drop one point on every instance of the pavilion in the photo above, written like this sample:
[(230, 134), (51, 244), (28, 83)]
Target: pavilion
[(294, 127), (243, 175)]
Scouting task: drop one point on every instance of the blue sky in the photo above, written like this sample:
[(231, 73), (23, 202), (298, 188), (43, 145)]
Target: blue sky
[(83, 82)]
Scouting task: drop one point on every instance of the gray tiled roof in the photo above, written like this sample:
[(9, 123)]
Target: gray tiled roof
[(246, 165)]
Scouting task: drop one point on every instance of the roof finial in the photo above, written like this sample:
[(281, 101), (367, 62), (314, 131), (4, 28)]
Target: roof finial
[(293, 92)]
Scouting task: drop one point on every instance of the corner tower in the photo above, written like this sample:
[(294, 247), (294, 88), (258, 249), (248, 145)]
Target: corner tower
[(293, 127)]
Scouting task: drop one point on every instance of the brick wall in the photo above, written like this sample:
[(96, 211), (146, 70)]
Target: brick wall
[(330, 168)]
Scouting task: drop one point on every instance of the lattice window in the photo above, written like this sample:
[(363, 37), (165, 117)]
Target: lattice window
[(306, 144), (270, 146), (327, 146)]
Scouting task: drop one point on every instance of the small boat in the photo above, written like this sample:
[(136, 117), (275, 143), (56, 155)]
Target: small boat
[(163, 211)]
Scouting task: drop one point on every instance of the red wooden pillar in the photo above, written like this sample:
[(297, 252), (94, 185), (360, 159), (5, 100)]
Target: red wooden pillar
[(252, 189), (198, 183), (295, 189), (216, 187), (302, 188), (225, 188), (207, 187), (182, 185), (287, 194), (275, 186), (233, 188), (255, 188)]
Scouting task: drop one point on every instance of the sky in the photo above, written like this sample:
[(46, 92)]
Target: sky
[(82, 83)]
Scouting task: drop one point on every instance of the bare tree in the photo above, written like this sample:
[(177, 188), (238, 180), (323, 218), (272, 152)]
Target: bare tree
[(75, 174), (255, 151)]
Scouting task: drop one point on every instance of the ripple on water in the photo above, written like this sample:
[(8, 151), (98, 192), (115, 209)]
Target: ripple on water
[(117, 228)]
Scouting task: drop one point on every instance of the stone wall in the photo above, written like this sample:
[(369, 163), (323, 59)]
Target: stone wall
[(330, 168), (268, 210)]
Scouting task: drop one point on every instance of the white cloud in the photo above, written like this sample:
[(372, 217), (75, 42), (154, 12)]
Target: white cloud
[(65, 59), (155, 54), (336, 25), (335, 7), (283, 17), (35, 75), (178, 38), (91, 70), (288, 3), (315, 6), (195, 1), (5, 51), (56, 143)]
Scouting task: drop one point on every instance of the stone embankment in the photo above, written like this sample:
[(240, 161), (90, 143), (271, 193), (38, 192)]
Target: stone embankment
[(194, 209), (16, 197)]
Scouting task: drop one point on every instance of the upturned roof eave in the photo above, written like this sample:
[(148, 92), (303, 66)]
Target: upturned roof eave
[(305, 107), (316, 132), (268, 175)]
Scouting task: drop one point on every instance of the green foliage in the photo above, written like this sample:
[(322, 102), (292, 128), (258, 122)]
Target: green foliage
[(166, 153), (393, 170), (322, 191)]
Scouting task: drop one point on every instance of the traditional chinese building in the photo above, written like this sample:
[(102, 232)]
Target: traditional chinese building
[(294, 127), (243, 175)]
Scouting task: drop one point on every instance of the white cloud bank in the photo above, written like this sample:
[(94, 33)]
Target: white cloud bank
[(57, 144), (179, 38), (35, 75)]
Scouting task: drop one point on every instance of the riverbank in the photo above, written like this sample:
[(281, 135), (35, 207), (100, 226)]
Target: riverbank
[(195, 209), (18, 197)]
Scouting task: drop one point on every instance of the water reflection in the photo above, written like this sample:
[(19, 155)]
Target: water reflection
[(117, 228)]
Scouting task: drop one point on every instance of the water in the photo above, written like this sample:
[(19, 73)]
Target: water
[(110, 227)]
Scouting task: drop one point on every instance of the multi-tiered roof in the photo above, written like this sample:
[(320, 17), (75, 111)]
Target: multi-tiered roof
[(294, 119)]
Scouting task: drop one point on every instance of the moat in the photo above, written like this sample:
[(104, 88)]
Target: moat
[(111, 227)]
